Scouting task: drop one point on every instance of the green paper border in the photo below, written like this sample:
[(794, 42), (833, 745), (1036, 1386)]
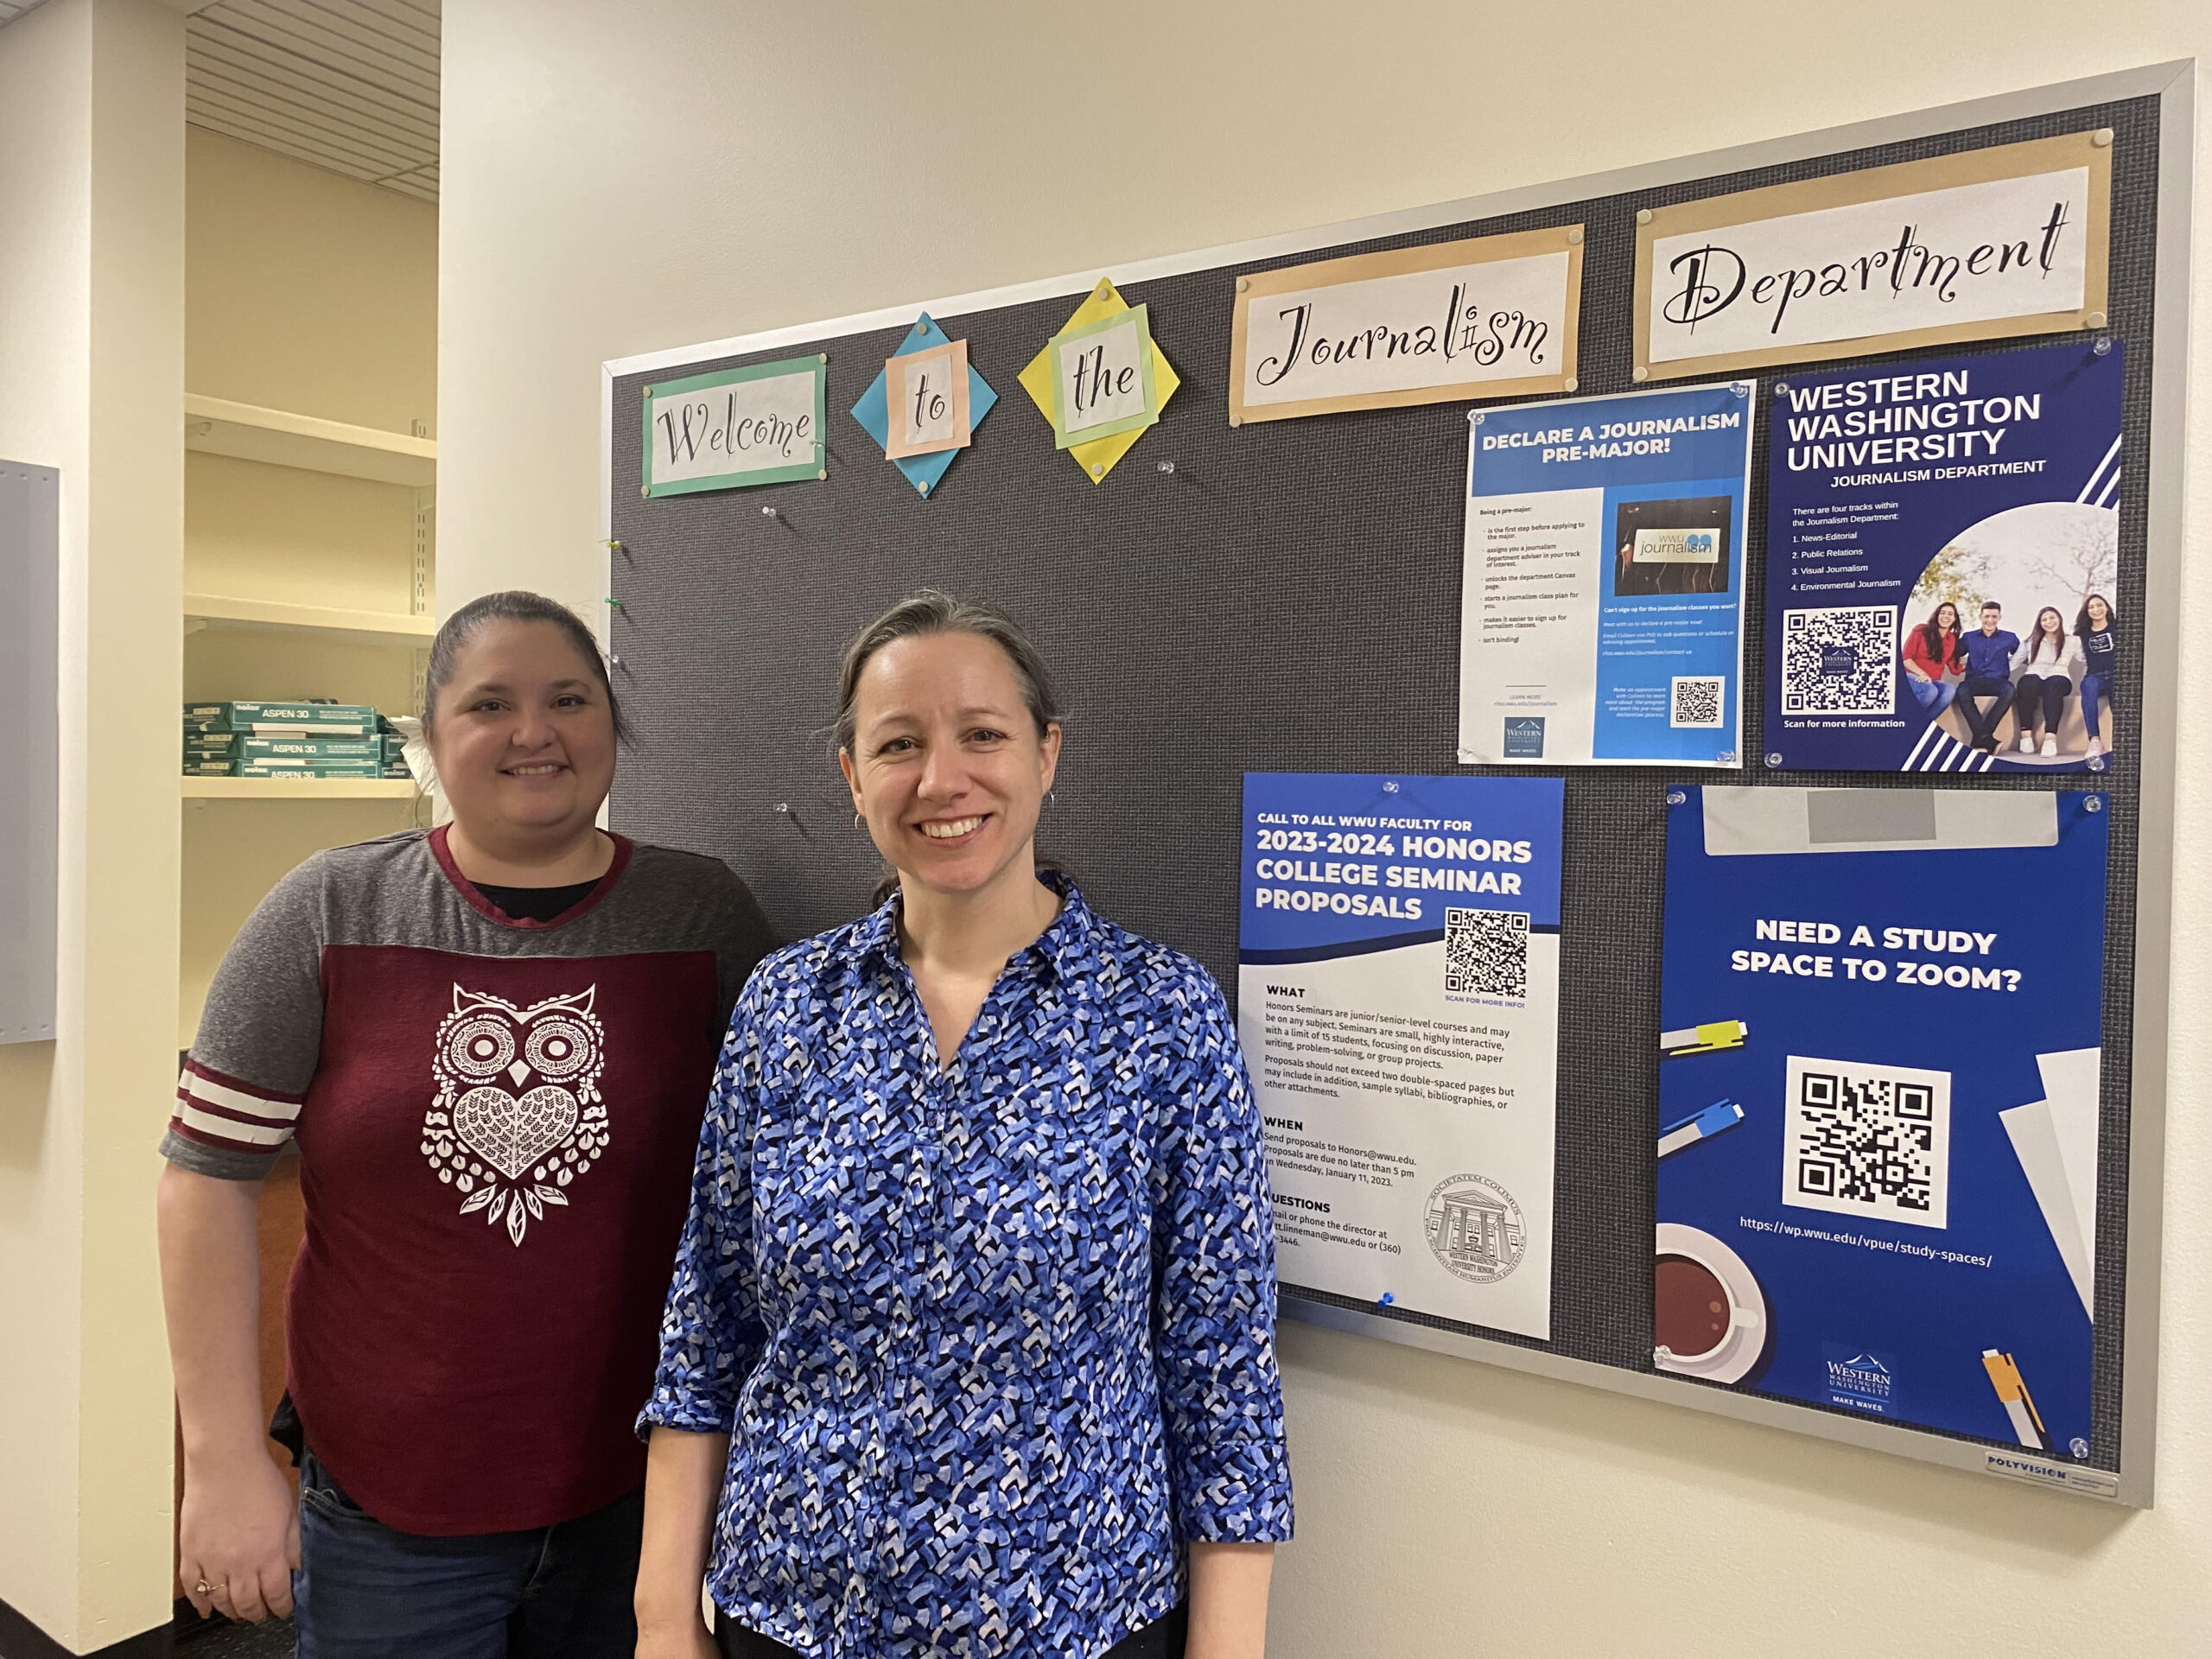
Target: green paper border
[(1150, 416), (816, 468)]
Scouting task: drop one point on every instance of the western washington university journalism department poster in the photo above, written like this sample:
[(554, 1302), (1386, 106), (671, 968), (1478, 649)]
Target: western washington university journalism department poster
[(1398, 1002), (1896, 491), (1878, 1103), (1601, 609)]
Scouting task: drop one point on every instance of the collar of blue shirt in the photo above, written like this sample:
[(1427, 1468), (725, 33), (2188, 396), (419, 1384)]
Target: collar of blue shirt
[(1068, 947)]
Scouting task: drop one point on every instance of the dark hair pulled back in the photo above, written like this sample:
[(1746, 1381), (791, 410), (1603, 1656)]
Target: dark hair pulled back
[(932, 611), (514, 605)]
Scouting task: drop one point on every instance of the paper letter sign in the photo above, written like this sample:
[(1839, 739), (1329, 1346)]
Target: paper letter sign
[(1983, 245), (927, 395), (757, 425), (1100, 381), (1493, 317)]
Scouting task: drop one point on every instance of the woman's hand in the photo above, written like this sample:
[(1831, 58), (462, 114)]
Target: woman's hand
[(239, 1535)]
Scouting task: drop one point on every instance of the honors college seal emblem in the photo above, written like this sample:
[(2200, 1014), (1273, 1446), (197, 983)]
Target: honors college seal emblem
[(1475, 1228)]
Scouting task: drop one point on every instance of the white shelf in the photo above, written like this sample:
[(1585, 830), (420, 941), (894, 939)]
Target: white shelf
[(298, 789), (360, 627), (216, 426)]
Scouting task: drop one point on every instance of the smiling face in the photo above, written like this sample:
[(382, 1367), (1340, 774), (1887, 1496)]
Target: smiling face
[(522, 736), (1947, 617), (2048, 624), (1991, 616), (946, 763), (2099, 613)]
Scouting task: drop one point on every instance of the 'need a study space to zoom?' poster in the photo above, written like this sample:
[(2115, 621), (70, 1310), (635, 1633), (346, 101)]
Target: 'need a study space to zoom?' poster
[(1398, 1000), (1878, 1103), (1601, 609)]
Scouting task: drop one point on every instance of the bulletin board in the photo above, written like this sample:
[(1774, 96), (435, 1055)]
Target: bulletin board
[(1286, 597)]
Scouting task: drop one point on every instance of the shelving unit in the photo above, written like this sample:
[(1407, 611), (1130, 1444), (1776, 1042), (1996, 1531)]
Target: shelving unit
[(216, 426), (365, 628), (298, 789)]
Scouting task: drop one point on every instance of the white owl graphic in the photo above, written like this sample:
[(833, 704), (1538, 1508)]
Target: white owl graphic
[(518, 1114)]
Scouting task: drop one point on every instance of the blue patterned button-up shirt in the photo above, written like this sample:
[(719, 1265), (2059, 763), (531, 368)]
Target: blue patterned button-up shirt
[(990, 1341)]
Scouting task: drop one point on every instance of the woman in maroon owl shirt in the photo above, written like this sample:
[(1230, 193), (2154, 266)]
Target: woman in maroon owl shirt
[(489, 1043)]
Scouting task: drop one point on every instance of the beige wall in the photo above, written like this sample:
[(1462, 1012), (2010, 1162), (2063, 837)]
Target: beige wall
[(307, 290), (685, 171), (92, 376)]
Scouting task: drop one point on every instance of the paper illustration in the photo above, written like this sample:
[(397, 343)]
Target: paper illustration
[(1106, 368), (939, 401)]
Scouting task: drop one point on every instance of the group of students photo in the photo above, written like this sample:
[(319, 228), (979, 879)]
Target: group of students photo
[(1987, 672), (910, 1289)]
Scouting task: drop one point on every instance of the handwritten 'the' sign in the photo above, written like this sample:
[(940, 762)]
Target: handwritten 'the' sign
[(736, 427), (1496, 316), (2013, 239)]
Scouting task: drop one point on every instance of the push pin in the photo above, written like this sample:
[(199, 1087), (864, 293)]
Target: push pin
[(1385, 1300), (615, 604), (770, 512), (2103, 348), (613, 545), (1167, 467)]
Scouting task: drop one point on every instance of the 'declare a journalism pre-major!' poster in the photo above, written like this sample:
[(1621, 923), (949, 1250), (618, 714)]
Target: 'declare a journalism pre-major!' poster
[(1398, 1000), (1601, 612)]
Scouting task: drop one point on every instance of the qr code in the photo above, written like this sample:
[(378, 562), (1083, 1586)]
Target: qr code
[(1867, 1141), (1840, 661), (1697, 702), (1486, 953)]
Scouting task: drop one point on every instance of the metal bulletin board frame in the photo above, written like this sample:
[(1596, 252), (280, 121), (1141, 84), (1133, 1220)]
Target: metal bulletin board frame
[(679, 582)]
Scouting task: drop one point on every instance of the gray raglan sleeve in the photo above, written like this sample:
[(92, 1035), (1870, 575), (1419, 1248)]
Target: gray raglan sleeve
[(744, 940), (259, 1039)]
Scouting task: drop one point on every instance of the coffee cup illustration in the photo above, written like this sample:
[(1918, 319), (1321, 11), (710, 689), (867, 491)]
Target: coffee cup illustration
[(1709, 1314)]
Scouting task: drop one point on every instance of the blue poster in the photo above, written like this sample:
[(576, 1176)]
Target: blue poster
[(1601, 599), (1398, 1002), (1943, 563), (1877, 1103)]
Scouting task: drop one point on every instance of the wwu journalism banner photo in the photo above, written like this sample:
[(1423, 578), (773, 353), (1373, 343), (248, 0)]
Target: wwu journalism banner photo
[(1398, 1002), (1943, 565), (1878, 1089), (1601, 609)]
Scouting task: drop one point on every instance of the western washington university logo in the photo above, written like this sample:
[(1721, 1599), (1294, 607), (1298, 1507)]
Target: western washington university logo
[(1475, 1228)]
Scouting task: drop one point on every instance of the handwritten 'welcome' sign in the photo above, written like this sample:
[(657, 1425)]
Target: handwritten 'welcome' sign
[(734, 427), (1992, 243), (1496, 316)]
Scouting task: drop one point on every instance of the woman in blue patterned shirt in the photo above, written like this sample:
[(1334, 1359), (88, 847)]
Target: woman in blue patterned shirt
[(971, 1346)]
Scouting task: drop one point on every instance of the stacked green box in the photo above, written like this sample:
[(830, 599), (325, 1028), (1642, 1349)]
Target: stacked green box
[(284, 740), (394, 745)]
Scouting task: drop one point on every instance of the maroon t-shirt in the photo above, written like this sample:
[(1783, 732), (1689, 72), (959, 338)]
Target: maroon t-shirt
[(496, 1122)]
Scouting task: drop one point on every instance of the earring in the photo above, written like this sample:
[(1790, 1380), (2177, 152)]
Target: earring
[(859, 822), (1052, 797)]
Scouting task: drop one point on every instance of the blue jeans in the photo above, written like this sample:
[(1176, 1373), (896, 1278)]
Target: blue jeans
[(2093, 693), (1933, 695), (366, 1591), (1984, 727)]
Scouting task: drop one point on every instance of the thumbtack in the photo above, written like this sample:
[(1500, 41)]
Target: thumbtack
[(1570, 383), (616, 546), (1385, 1300), (1243, 284), (769, 512), (2102, 137), (1097, 469), (614, 660), (615, 602), (1574, 236), (644, 489), (2103, 348), (2094, 320), (1167, 466), (1641, 373), (1643, 215)]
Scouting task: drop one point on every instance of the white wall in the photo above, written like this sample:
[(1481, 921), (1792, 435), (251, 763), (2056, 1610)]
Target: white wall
[(621, 180), (91, 381)]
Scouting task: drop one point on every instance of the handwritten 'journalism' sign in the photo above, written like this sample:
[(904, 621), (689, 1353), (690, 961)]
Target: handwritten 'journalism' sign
[(734, 427), (1984, 246), (1495, 316)]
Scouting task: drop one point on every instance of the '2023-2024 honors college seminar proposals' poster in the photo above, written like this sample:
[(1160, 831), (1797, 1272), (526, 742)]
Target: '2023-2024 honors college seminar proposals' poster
[(1989, 485), (1601, 610), (1398, 1000), (1878, 1102)]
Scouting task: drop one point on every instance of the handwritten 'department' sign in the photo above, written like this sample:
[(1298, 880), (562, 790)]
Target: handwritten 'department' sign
[(1994, 243), (1493, 317), (757, 425)]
